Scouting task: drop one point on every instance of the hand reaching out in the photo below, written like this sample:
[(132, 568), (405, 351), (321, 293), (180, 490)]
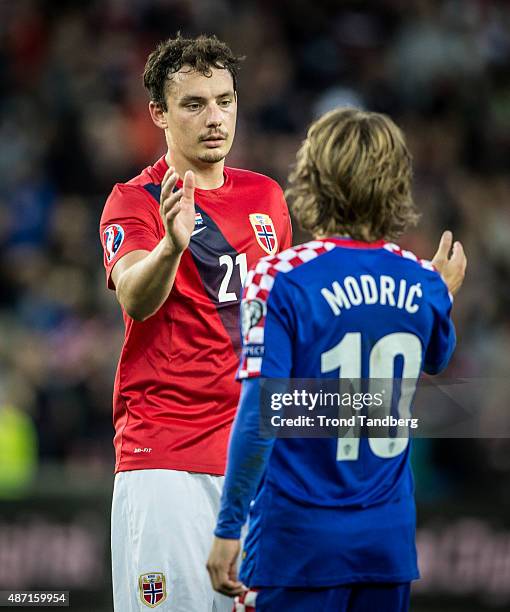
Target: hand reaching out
[(452, 268), (177, 209)]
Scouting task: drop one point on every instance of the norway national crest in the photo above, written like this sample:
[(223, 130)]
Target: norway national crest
[(152, 589), (265, 232)]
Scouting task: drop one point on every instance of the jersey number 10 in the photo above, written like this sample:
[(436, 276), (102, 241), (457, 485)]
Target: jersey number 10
[(346, 356)]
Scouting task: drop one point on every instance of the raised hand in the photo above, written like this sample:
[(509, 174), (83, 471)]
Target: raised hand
[(451, 267), (177, 209)]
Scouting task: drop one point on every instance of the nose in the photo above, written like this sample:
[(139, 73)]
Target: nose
[(213, 117)]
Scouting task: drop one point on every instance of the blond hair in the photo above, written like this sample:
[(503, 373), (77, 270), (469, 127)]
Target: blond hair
[(353, 176)]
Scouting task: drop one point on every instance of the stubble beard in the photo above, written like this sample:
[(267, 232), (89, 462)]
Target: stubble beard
[(212, 157)]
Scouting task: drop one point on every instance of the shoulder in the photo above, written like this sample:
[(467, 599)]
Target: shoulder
[(127, 190), (254, 179), (411, 259), (129, 200), (261, 278), (127, 194), (424, 267)]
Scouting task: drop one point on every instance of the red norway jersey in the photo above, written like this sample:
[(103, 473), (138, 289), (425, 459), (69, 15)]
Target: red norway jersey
[(174, 394)]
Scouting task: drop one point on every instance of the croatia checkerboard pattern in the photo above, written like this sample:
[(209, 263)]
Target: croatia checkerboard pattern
[(245, 602), (259, 283)]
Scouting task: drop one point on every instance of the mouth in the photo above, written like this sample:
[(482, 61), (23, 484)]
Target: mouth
[(214, 140)]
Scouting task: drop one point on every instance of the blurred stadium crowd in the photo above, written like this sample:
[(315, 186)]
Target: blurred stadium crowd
[(74, 120)]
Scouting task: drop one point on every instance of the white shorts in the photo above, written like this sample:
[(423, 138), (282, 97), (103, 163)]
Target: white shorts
[(162, 531)]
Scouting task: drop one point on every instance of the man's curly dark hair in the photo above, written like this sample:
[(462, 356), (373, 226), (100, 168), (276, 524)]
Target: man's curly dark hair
[(201, 53)]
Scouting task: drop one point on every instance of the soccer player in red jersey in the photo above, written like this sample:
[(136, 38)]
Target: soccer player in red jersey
[(178, 240)]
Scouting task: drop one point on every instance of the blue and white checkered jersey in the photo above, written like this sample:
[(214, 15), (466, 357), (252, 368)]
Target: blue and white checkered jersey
[(329, 511)]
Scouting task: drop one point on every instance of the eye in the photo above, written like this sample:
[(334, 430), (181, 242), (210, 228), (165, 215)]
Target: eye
[(225, 103), (193, 106)]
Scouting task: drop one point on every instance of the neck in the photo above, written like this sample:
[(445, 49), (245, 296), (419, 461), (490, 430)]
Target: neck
[(207, 176), (326, 236)]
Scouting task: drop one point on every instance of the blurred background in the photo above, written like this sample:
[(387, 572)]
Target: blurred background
[(74, 121)]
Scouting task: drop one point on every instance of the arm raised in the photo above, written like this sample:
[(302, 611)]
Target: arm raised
[(143, 279), (452, 268)]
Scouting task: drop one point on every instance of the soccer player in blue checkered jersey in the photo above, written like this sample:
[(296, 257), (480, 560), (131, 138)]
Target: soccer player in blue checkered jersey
[(332, 524)]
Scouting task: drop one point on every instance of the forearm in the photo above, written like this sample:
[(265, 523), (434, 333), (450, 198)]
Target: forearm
[(248, 455), (142, 288)]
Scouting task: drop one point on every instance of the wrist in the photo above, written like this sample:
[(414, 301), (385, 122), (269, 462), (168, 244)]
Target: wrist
[(169, 249), (228, 532)]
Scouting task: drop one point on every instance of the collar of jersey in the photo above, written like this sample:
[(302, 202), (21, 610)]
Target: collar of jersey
[(161, 167)]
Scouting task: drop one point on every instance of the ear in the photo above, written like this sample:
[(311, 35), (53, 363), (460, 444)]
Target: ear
[(158, 115)]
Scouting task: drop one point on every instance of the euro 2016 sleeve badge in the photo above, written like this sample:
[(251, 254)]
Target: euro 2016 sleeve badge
[(265, 232), (152, 589), (113, 236)]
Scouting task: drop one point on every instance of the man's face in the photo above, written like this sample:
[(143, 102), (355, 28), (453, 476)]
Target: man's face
[(201, 114)]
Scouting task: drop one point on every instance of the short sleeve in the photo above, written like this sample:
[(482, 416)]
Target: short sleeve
[(130, 221), (442, 339), (266, 325)]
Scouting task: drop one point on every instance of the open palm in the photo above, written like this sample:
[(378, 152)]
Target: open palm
[(178, 210)]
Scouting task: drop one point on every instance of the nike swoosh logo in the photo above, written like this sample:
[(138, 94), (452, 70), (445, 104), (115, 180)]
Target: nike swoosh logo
[(195, 232)]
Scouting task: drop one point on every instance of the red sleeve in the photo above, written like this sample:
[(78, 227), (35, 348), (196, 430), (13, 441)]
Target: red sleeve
[(130, 221)]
